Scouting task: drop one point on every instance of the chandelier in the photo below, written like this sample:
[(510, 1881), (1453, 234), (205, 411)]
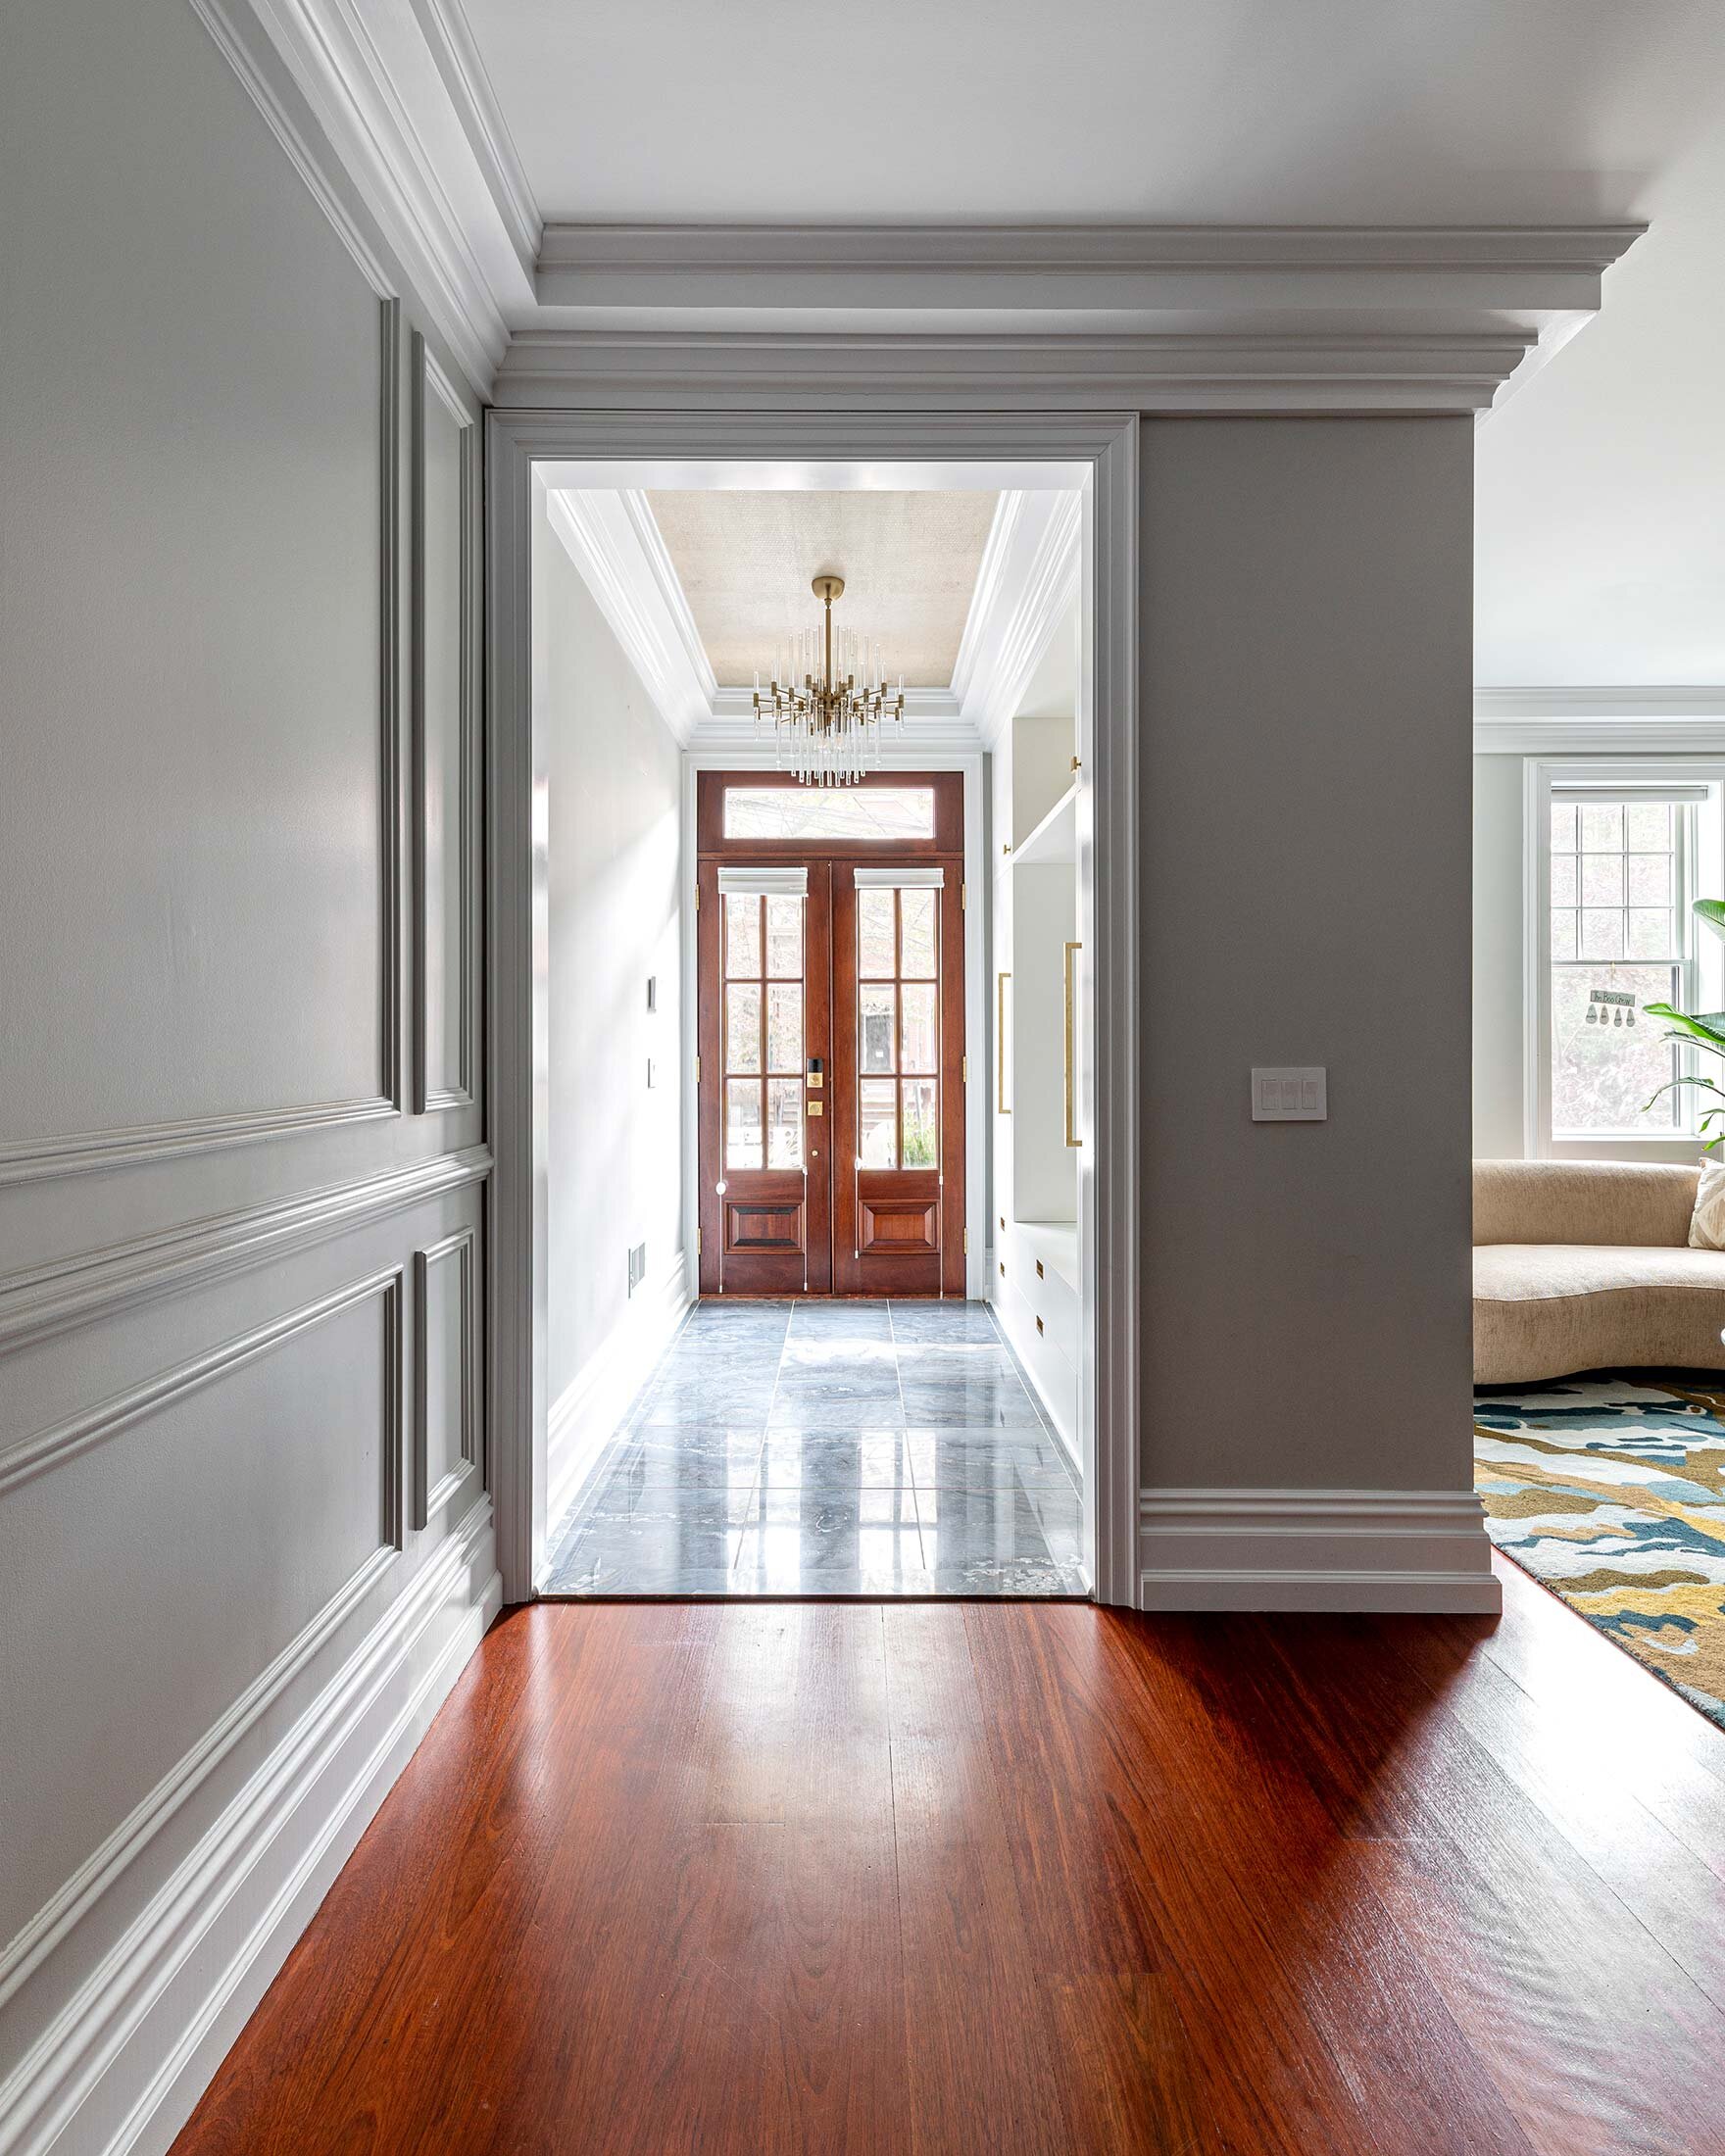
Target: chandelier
[(826, 727)]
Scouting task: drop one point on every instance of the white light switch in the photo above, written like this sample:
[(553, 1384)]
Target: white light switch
[(1289, 1093)]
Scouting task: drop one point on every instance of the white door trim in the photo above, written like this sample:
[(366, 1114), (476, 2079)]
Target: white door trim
[(1105, 445)]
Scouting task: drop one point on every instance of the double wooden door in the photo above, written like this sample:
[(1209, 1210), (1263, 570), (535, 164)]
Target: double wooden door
[(831, 1014)]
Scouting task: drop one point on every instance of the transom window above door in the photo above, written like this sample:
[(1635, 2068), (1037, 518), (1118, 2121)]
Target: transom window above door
[(853, 816)]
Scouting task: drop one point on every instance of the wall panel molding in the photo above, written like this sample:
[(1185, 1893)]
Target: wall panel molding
[(30, 1458), (430, 1499), (101, 1284), (139, 2036), (455, 1089), (27, 1457), (86, 1152)]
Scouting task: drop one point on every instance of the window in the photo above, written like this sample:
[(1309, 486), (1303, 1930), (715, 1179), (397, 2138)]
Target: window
[(1619, 936), (762, 1030), (1626, 851), (897, 1027), (854, 813)]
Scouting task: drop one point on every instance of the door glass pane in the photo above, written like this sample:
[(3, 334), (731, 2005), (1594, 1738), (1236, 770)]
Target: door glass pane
[(917, 915), (921, 1137), (784, 1122), (742, 1123), (868, 813), (875, 935), (784, 938), (742, 1026), (742, 935), (877, 1138), (919, 1047), (784, 1026), (874, 1028)]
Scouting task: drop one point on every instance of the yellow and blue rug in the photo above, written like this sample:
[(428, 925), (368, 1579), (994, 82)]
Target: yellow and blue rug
[(1611, 1490)]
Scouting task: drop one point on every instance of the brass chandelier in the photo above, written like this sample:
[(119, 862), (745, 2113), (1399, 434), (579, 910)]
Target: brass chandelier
[(826, 727)]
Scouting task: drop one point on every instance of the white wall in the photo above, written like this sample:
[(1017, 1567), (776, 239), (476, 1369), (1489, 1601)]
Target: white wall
[(614, 849), (245, 1544), (1307, 692), (1498, 1006)]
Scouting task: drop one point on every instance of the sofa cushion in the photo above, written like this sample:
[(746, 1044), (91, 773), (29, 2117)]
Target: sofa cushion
[(1545, 1309), (1582, 1201)]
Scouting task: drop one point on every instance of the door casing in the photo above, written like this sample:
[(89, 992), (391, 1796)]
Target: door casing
[(831, 1201), (829, 449)]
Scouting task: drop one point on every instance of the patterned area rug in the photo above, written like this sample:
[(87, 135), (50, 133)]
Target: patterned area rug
[(1611, 1490)]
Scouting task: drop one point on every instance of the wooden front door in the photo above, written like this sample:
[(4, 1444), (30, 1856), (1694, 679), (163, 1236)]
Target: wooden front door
[(831, 1011)]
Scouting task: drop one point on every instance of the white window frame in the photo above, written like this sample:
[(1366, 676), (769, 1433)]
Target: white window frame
[(1703, 875)]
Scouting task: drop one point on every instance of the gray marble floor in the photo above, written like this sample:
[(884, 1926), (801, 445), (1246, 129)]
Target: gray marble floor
[(829, 1449)]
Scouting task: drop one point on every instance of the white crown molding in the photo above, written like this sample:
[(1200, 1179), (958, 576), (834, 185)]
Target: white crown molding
[(450, 40), (615, 545), (1316, 1550), (1651, 721), (1025, 587), (366, 109), (1168, 371), (1552, 268)]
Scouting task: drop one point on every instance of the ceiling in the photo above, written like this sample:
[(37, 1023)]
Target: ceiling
[(745, 560), (1600, 530), (1165, 110)]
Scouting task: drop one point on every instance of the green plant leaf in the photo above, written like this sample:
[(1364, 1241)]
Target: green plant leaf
[(1707, 1026), (1712, 912)]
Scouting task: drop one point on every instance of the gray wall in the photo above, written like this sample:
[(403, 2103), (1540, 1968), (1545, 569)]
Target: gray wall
[(1497, 1110), (614, 917), (240, 1382), (1307, 699)]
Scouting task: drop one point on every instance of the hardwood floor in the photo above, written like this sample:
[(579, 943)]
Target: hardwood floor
[(1018, 1877)]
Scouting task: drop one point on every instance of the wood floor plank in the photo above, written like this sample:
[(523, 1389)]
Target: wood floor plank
[(1582, 2017), (1017, 1879)]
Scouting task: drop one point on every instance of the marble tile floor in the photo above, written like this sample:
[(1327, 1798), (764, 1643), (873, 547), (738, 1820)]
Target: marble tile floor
[(828, 1449)]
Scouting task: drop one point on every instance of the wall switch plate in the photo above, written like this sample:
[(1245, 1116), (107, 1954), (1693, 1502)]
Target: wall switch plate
[(1290, 1092)]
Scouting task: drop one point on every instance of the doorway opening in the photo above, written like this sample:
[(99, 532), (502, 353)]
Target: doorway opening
[(830, 987), (867, 1364)]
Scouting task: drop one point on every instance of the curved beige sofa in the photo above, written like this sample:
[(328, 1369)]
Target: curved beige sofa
[(1586, 1265)]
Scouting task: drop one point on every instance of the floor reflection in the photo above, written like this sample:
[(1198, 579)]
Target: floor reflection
[(829, 1449)]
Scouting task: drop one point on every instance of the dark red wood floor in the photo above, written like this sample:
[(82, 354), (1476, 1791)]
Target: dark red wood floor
[(1016, 1878)]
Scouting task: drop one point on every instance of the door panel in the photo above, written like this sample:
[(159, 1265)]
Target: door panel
[(763, 1005), (897, 1094)]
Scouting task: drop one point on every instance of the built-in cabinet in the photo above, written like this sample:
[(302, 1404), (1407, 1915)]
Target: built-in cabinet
[(1034, 1280)]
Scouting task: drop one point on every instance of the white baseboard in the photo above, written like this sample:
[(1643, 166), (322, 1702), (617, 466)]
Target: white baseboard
[(118, 2068), (1416, 1551), (589, 1408)]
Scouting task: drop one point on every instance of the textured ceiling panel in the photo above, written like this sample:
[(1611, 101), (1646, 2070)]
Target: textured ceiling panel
[(908, 562)]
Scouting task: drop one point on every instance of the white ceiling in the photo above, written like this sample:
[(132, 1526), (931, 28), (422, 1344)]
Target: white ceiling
[(745, 560), (1601, 480), (1165, 110)]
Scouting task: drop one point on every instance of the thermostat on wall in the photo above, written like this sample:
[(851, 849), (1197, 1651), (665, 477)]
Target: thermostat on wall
[(1289, 1093)]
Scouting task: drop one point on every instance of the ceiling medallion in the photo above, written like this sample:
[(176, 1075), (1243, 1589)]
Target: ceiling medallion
[(826, 729)]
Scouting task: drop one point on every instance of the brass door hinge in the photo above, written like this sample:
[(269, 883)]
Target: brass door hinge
[(963, 896), (697, 1070), (966, 1243), (697, 1243), (697, 898), (964, 1070)]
